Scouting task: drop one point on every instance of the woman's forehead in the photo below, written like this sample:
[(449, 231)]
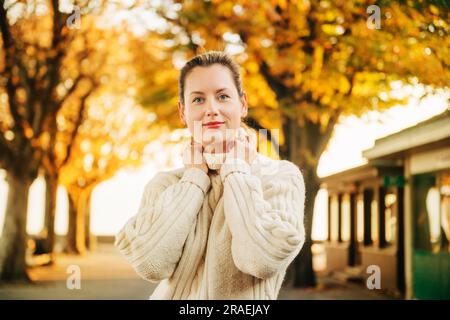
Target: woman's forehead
[(209, 79)]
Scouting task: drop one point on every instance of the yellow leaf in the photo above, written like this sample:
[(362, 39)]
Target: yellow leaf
[(318, 61)]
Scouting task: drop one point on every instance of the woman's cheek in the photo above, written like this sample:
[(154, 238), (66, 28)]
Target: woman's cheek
[(195, 126)]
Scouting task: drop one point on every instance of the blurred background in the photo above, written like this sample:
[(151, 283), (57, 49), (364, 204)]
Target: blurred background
[(356, 93)]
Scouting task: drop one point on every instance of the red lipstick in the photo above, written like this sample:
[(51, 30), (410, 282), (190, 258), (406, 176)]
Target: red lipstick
[(213, 124)]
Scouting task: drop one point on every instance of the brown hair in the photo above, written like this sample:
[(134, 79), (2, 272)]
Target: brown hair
[(207, 59)]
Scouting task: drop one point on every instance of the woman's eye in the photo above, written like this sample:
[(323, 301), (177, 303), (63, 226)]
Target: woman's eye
[(197, 99), (223, 97)]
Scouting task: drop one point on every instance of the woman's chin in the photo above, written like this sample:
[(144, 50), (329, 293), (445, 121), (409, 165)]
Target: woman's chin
[(218, 136), (213, 137), (216, 147)]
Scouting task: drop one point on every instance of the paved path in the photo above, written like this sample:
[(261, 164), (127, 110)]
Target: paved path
[(105, 274)]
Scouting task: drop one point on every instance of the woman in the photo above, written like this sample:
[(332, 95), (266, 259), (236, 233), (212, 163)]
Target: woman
[(212, 230)]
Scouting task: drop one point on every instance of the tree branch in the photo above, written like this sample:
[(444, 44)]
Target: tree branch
[(78, 122), (69, 92), (54, 60), (275, 84), (253, 123), (27, 84), (4, 27), (325, 137), (11, 87), (6, 152)]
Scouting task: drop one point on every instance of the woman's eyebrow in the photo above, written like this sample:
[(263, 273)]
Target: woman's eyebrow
[(221, 89), (200, 92)]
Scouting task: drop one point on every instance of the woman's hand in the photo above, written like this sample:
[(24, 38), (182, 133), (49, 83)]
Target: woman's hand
[(193, 156), (244, 147)]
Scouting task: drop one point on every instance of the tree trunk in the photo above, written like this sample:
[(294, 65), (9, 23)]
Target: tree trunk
[(301, 273), (76, 241), (90, 238), (51, 187), (303, 148), (14, 237), (304, 275)]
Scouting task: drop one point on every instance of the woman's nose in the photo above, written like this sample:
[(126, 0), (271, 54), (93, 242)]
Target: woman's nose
[(212, 112), (212, 109)]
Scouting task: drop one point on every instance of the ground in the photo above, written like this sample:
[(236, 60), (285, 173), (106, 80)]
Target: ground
[(105, 274)]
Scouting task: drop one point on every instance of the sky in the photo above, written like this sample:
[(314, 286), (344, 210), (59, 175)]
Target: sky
[(116, 200)]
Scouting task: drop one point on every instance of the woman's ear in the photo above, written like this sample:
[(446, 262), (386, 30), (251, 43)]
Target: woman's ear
[(181, 112), (244, 106)]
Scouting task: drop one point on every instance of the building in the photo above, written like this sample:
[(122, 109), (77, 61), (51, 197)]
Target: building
[(394, 213)]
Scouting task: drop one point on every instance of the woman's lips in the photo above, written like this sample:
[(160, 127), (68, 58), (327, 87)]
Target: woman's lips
[(213, 125)]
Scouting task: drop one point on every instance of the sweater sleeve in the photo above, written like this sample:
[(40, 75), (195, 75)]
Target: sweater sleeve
[(265, 221), (152, 241)]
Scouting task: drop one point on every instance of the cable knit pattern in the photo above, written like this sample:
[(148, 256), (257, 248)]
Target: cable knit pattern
[(229, 235)]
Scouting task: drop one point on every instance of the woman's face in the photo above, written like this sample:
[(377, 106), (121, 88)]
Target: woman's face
[(210, 97)]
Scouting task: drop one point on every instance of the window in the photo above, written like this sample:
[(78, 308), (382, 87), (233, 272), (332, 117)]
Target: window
[(431, 203), (432, 206), (345, 218), (444, 190), (374, 222), (360, 218), (390, 216), (334, 218)]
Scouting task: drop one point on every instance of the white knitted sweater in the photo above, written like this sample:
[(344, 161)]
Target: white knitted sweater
[(230, 235)]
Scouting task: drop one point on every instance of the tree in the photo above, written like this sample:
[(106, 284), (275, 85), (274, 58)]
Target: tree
[(321, 60), (103, 59), (30, 86), (112, 137), (37, 82), (97, 50)]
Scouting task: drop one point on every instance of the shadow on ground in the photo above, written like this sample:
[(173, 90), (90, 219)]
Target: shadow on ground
[(105, 274)]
